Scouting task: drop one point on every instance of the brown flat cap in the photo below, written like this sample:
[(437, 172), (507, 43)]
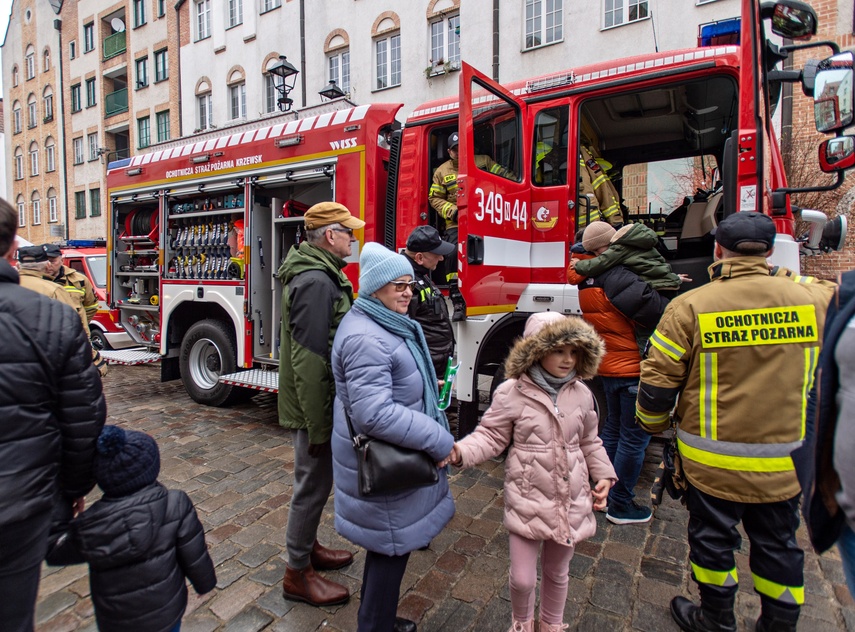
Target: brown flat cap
[(326, 213)]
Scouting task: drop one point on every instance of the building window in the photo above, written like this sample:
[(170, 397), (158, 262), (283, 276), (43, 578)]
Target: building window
[(16, 118), (37, 209), (92, 141), (339, 65), (161, 65), (388, 58), (269, 5), (139, 13), (53, 212), (15, 76), (77, 145), (237, 98), (270, 93), (72, 49), (88, 37), (143, 132), (235, 12), (76, 105), (445, 40), (90, 93), (19, 164), (94, 202), (32, 112), (48, 98), (205, 108), (80, 205), (22, 212), (544, 22), (50, 155), (619, 12), (142, 72), (46, 60), (161, 8), (203, 19), (31, 65), (34, 159), (162, 126)]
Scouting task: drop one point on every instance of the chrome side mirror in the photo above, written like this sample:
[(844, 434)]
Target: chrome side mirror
[(832, 97)]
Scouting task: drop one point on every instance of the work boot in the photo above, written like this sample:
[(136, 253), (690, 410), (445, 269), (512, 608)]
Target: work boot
[(692, 618), (777, 618), (459, 308), (404, 625), (324, 559), (307, 586), (522, 626)]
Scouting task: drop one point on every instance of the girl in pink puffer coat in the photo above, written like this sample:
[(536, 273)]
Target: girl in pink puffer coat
[(548, 417)]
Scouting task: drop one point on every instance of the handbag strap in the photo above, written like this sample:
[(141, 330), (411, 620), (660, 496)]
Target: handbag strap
[(353, 437)]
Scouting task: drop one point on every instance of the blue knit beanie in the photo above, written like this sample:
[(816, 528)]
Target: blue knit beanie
[(125, 461), (378, 266)]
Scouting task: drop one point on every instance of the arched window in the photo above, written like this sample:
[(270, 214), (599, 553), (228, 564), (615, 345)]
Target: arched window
[(204, 105), (46, 60), (237, 94), (22, 211), (15, 78), (19, 163), (34, 158), (50, 154), (30, 60), (32, 112), (337, 49), (47, 99), (17, 123), (37, 208), (53, 211), (386, 33)]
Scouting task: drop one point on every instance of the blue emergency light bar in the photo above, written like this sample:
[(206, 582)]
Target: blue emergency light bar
[(719, 33)]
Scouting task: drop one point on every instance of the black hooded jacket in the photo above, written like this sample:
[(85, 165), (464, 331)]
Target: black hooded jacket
[(140, 548), (51, 403), (428, 308)]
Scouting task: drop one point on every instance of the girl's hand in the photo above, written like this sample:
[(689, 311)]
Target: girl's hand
[(454, 458), (601, 493)]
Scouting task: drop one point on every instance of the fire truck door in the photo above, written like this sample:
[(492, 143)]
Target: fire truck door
[(495, 250)]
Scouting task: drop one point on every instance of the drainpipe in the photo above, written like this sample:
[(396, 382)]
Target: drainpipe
[(178, 6), (496, 41), (57, 25), (303, 51)]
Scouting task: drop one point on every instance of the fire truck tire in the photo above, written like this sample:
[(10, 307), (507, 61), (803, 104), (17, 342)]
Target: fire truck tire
[(98, 339), (207, 352)]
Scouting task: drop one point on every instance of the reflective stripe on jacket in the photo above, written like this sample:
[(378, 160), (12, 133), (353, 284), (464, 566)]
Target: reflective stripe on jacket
[(741, 352)]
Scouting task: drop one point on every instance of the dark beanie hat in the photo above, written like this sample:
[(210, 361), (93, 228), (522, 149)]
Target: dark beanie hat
[(125, 461)]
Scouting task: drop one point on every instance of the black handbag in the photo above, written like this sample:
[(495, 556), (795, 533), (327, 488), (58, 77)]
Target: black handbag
[(386, 468)]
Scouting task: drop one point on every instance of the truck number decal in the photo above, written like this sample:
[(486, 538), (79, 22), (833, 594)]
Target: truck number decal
[(494, 206)]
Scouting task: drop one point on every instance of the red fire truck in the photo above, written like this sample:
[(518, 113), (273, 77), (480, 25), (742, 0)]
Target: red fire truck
[(200, 228)]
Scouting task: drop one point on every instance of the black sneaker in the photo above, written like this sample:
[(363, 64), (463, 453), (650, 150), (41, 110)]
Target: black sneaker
[(628, 514), (459, 312)]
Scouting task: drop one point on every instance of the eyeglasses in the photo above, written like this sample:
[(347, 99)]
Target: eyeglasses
[(346, 231), (401, 286)]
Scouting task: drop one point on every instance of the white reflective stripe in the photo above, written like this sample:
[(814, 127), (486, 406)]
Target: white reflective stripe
[(730, 448), (514, 253)]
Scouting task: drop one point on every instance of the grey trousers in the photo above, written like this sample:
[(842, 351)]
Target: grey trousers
[(313, 479)]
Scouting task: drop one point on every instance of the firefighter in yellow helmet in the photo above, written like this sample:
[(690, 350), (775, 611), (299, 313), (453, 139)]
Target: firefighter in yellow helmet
[(740, 353), (443, 198)]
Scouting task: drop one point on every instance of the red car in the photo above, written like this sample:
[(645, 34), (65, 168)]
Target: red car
[(91, 260)]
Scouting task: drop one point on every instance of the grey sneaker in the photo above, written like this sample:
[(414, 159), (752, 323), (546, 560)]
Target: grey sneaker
[(630, 513)]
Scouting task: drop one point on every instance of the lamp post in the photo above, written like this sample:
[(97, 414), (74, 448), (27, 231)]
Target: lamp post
[(332, 91), (287, 74)]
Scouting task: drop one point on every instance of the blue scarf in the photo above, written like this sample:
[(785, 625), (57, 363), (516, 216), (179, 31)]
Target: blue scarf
[(414, 337)]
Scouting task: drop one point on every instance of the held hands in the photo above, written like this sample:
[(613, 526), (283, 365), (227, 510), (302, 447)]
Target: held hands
[(454, 458), (685, 278), (601, 493)]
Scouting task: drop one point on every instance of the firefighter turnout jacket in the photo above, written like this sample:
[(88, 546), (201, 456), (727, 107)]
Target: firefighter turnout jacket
[(596, 186), (443, 190), (79, 287), (741, 353)]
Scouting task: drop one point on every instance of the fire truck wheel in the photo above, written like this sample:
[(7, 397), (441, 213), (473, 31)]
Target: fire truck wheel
[(98, 340), (207, 352)]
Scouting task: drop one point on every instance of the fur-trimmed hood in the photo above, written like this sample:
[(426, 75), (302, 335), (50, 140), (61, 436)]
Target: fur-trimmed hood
[(552, 333)]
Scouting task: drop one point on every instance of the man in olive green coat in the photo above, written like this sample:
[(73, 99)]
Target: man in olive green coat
[(315, 297)]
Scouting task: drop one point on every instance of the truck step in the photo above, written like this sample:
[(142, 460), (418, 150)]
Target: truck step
[(130, 357), (257, 379)]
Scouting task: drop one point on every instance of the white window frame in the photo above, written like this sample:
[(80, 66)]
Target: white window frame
[(88, 37), (92, 142), (237, 101), (338, 63), (544, 20), (203, 19), (17, 123), (91, 93), (48, 99), (95, 202), (617, 12), (269, 5), (34, 161), (53, 213), (22, 214), (31, 65), (72, 50), (387, 56), (37, 212), (76, 100), (235, 12), (444, 40), (32, 113), (46, 60), (139, 12), (19, 164), (271, 95), (50, 157), (205, 111), (77, 145)]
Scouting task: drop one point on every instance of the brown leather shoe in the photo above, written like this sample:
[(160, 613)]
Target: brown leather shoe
[(324, 559), (306, 585)]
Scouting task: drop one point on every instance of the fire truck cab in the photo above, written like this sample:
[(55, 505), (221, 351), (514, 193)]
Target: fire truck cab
[(682, 138)]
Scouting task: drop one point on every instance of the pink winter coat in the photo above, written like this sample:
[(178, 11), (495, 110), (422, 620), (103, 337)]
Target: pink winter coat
[(554, 447)]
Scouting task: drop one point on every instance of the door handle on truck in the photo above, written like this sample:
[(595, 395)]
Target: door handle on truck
[(475, 249)]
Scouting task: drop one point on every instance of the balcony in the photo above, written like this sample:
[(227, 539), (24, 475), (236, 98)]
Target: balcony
[(114, 45), (116, 102)]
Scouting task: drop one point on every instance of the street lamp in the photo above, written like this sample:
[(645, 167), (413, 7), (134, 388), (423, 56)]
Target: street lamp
[(288, 77), (332, 91)]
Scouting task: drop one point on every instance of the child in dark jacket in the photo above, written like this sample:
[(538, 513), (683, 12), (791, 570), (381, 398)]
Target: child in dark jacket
[(140, 540)]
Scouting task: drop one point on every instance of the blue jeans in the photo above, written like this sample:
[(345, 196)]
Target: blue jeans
[(846, 546), (624, 441)]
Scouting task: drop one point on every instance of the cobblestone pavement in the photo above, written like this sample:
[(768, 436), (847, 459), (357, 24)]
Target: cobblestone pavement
[(236, 464)]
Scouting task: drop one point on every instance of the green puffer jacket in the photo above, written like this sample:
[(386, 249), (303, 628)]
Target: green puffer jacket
[(636, 250), (315, 298)]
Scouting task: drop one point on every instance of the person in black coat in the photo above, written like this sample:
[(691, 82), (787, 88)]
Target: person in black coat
[(51, 411), (140, 540)]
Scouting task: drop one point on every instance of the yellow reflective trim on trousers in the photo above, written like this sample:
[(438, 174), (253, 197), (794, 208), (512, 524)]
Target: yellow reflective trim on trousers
[(709, 395), (811, 357), (736, 463), (668, 347), (793, 595), (446, 210), (715, 578)]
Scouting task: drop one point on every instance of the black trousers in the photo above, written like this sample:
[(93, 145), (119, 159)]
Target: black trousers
[(23, 546), (451, 260), (381, 587), (777, 562)]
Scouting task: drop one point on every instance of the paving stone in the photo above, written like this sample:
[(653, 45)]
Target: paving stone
[(497, 615), (651, 618), (250, 620), (199, 623), (580, 565), (663, 571), (229, 572), (270, 573), (610, 570), (667, 550), (258, 555), (65, 622), (612, 597), (450, 615), (53, 604), (273, 602), (414, 607), (434, 585), (594, 620), (235, 598)]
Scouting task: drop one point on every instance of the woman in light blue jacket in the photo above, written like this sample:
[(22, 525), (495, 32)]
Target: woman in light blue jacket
[(385, 380)]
